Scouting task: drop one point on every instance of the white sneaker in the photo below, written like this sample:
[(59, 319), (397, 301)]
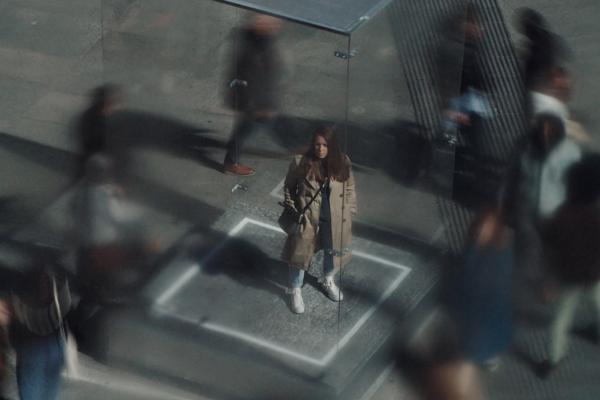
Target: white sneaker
[(332, 290), (296, 301)]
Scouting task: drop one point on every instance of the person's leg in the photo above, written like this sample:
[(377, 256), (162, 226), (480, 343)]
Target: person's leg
[(331, 289), (31, 365), (567, 305), (296, 279), (54, 366), (241, 130)]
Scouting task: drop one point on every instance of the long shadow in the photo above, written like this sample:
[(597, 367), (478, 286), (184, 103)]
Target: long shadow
[(249, 266), (46, 156), (129, 130)]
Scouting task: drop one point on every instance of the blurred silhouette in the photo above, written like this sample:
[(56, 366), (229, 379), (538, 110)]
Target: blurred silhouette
[(535, 189), (551, 96), (453, 379), (92, 132), (252, 86), (319, 188), (460, 147), (543, 50), (40, 302), (571, 239), (480, 299), (113, 249), (460, 77), (4, 344)]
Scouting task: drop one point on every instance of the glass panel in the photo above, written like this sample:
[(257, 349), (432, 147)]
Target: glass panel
[(206, 88), (401, 88), (333, 15)]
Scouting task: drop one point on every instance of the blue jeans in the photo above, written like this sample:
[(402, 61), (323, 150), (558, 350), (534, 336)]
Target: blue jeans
[(297, 274), (39, 364)]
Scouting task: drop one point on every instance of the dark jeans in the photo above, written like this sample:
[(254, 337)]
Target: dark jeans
[(39, 364), (245, 125)]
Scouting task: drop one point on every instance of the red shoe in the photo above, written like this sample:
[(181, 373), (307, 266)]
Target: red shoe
[(238, 169)]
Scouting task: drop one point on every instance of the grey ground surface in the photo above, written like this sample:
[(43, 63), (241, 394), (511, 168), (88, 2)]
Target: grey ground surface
[(54, 52)]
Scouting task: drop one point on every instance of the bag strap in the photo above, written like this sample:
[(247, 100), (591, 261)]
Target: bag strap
[(63, 333), (314, 197)]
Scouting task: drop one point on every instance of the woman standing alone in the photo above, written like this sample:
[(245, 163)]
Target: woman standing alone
[(319, 186)]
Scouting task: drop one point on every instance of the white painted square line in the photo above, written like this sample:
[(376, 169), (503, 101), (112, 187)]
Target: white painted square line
[(330, 355), (278, 191)]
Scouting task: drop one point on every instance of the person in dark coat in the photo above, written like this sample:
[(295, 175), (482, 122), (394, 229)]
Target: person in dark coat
[(92, 129), (252, 86), (572, 245), (460, 76)]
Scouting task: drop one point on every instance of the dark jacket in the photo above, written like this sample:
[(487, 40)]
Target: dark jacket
[(458, 67), (520, 193), (572, 243), (256, 67)]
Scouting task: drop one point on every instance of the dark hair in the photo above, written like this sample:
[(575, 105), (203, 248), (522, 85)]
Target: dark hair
[(531, 23), (335, 164), (537, 135), (583, 181), (102, 94)]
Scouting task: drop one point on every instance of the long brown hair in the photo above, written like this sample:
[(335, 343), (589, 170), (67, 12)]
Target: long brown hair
[(335, 165)]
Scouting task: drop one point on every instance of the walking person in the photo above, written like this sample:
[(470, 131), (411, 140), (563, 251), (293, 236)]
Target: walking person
[(92, 130), (252, 86), (40, 303), (542, 51), (481, 299), (461, 80), (571, 241), (535, 189), (321, 184)]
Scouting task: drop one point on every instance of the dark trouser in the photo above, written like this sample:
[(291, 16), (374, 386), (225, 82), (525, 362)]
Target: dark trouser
[(39, 364), (245, 125)]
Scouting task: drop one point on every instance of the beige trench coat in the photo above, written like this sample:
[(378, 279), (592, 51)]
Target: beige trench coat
[(298, 190)]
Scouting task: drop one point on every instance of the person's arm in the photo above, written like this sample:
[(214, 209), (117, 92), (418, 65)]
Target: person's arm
[(350, 191), (290, 185)]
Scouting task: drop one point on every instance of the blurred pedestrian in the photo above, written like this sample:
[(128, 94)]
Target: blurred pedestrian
[(92, 128), (572, 245), (252, 86), (454, 379), (535, 189), (543, 50), (40, 302), (481, 297), (4, 344), (112, 240), (319, 188), (551, 96), (460, 77)]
